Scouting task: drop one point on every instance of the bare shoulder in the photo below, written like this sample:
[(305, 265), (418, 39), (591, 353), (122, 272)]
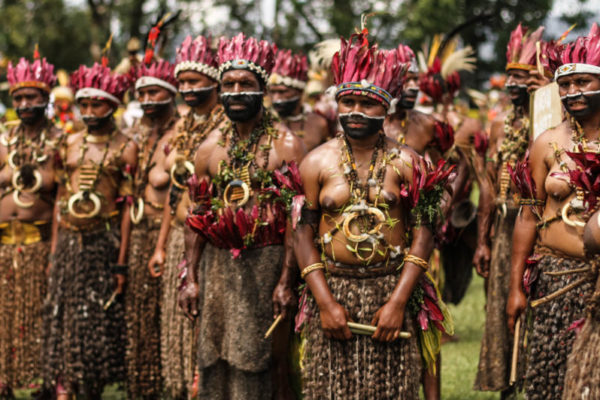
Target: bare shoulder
[(554, 135), (323, 155), (289, 146), (316, 119), (421, 118), (212, 139)]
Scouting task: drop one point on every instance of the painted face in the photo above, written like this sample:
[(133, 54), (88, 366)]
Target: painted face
[(241, 95), (410, 91), (516, 85), (195, 88), (580, 94), (285, 99), (30, 104), (155, 100), (95, 113), (360, 116)]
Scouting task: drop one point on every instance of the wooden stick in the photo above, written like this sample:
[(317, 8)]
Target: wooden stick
[(273, 326), (110, 301), (369, 330), (567, 272), (515, 354), (559, 292)]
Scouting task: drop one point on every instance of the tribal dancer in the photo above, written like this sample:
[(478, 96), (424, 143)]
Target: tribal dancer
[(558, 277), (28, 190), (83, 314), (440, 80), (196, 72), (245, 188), (362, 270), (509, 141), (286, 87), (156, 88)]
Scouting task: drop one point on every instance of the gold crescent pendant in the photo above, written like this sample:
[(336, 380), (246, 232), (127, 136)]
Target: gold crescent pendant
[(20, 203), (567, 220), (377, 213), (231, 198), (136, 217), (11, 159), (4, 142), (78, 197), (370, 256), (18, 186), (189, 167)]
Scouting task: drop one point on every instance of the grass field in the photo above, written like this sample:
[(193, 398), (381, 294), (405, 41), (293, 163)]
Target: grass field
[(459, 359)]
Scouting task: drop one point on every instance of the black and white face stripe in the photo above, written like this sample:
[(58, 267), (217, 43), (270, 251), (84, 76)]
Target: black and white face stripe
[(354, 114), (580, 94)]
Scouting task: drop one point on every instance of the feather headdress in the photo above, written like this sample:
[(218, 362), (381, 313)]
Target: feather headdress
[(290, 70), (37, 74), (196, 55), (441, 66), (99, 82), (159, 73), (250, 54), (361, 69), (521, 48), (579, 57)]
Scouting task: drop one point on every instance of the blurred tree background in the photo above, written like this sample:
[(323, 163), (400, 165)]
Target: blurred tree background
[(72, 32)]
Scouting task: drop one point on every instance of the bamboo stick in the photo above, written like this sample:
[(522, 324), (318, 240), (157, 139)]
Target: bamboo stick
[(273, 326), (369, 330), (515, 354)]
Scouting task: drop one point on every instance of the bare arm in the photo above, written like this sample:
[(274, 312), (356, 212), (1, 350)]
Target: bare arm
[(525, 234), (334, 317), (158, 258)]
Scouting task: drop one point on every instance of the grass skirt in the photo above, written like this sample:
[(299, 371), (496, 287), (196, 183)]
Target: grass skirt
[(361, 367), (142, 313), (83, 343), (22, 291)]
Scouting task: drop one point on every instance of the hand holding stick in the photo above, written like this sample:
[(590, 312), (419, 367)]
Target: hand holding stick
[(273, 326), (369, 330)]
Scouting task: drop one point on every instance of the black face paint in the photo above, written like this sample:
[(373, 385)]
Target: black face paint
[(591, 99), (35, 113), (252, 102), (155, 108), (198, 96), (520, 90), (408, 99), (94, 123), (371, 125), (285, 108)]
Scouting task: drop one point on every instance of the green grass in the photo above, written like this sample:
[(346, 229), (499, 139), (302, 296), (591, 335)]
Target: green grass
[(459, 359)]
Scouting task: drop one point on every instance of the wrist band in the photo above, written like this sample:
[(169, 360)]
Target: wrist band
[(531, 202), (418, 261), (120, 269), (311, 268)]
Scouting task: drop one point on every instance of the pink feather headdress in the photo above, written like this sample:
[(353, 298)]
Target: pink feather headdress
[(579, 57), (407, 56), (38, 74), (250, 54), (521, 49), (361, 69), (98, 82), (290, 70), (196, 55), (158, 73)]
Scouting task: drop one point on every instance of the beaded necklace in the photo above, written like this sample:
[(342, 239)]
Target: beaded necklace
[(235, 174), (513, 148), (21, 160)]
